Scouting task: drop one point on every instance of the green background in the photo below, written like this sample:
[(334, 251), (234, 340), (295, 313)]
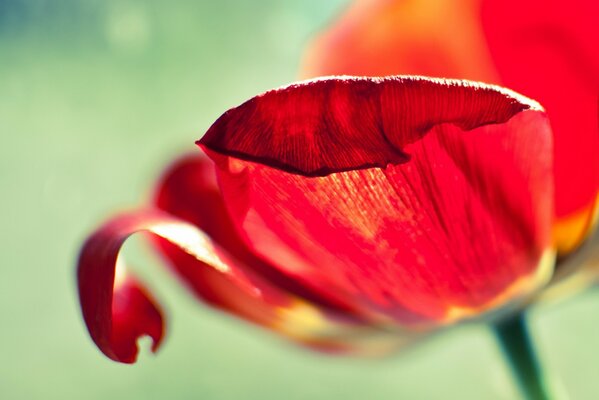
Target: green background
[(95, 98)]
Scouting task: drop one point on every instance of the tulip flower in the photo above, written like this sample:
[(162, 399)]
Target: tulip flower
[(358, 215), (351, 215), (543, 49)]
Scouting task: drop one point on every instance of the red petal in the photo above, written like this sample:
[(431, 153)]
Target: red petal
[(134, 314), (113, 319), (455, 222), (188, 190), (547, 49), (116, 317), (543, 49)]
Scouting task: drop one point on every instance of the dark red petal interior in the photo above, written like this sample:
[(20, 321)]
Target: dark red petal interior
[(319, 127)]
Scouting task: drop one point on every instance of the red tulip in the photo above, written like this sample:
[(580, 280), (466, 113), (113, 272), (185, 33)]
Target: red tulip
[(349, 214), (544, 49)]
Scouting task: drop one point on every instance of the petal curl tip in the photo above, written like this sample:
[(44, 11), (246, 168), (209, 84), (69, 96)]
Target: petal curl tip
[(116, 308), (135, 315)]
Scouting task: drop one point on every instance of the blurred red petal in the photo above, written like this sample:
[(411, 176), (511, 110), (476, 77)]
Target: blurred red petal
[(543, 49), (455, 221), (441, 38), (547, 50)]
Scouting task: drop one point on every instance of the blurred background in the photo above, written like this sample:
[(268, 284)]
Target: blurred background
[(96, 97)]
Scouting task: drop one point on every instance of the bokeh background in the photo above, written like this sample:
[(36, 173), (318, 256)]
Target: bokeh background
[(95, 98)]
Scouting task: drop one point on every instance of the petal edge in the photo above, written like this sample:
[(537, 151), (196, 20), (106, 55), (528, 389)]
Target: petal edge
[(334, 124)]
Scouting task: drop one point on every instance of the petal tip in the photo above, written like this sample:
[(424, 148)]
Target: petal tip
[(135, 315)]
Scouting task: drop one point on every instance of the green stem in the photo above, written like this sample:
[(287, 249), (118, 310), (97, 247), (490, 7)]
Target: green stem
[(512, 334)]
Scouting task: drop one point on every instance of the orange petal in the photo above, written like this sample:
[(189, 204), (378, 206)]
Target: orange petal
[(442, 38)]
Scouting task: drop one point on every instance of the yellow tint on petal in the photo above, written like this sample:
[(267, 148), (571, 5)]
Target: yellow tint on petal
[(300, 317), (569, 232), (575, 273), (120, 272), (311, 327), (518, 291)]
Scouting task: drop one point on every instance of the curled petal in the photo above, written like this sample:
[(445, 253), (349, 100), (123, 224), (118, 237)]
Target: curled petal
[(134, 314), (110, 314), (117, 312), (116, 308), (423, 201)]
